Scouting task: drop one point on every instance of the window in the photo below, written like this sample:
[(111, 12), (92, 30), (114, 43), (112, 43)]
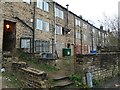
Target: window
[(42, 25), (99, 34), (56, 11), (25, 43), (42, 46), (78, 34), (43, 5), (77, 22), (62, 15), (46, 6), (93, 30), (38, 46), (46, 26), (40, 4), (85, 37), (39, 24), (84, 26), (59, 13), (28, 1), (58, 29)]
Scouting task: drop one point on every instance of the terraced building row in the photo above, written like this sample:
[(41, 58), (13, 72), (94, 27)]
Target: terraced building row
[(47, 26)]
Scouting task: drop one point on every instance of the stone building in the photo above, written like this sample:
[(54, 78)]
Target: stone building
[(53, 27)]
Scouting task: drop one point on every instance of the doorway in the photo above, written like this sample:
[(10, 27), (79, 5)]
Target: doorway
[(9, 35)]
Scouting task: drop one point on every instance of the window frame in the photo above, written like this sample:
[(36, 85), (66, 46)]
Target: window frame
[(46, 6), (29, 43), (40, 4), (58, 29), (45, 26), (77, 22), (59, 13), (39, 21), (43, 47), (78, 34)]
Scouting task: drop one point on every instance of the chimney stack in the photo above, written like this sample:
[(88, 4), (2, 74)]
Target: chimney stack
[(101, 27)]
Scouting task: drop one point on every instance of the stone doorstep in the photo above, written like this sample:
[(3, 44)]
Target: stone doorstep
[(62, 83)]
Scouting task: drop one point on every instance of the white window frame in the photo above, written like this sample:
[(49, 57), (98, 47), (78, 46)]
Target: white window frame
[(62, 14), (84, 25), (85, 37), (39, 24), (42, 25), (40, 4), (25, 43), (59, 13), (58, 29), (93, 30), (78, 34), (45, 26), (77, 22), (46, 6), (99, 34)]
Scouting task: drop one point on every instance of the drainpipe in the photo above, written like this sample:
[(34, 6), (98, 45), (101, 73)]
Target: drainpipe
[(67, 26), (81, 38), (74, 46), (33, 28), (92, 39)]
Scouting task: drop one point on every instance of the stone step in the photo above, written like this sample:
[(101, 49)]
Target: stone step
[(60, 80), (62, 83), (7, 54), (59, 77)]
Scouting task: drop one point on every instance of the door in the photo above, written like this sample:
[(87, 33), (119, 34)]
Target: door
[(9, 36)]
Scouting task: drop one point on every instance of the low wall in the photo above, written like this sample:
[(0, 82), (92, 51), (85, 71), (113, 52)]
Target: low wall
[(102, 66)]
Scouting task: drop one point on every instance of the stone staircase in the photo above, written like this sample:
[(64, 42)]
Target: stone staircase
[(60, 81), (6, 60)]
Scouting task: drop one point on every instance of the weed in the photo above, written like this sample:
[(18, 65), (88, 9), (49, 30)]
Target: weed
[(96, 82), (77, 79)]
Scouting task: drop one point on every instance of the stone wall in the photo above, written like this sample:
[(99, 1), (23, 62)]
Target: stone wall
[(30, 77), (100, 69)]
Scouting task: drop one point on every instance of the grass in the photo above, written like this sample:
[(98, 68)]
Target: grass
[(0, 74), (12, 81)]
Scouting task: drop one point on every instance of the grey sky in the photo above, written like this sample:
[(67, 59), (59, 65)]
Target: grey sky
[(92, 10)]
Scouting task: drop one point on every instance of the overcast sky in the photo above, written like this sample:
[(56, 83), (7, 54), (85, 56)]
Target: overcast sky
[(92, 10)]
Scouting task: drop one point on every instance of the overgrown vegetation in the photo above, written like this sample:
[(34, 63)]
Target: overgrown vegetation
[(77, 79), (11, 81), (36, 63), (96, 82)]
